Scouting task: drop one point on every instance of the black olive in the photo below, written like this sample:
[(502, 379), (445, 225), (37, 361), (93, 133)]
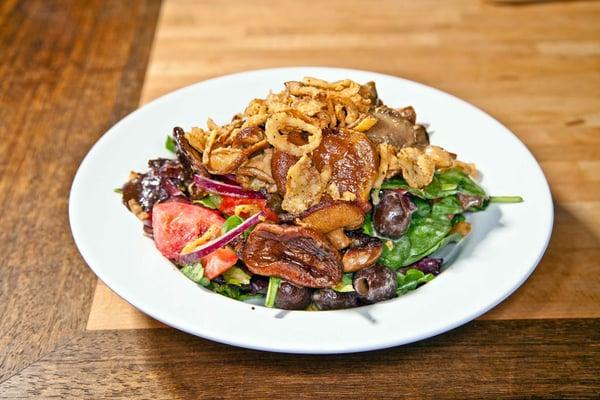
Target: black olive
[(329, 299), (426, 265), (292, 297), (375, 284), (392, 214)]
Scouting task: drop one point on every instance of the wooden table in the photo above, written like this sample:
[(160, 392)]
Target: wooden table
[(70, 70)]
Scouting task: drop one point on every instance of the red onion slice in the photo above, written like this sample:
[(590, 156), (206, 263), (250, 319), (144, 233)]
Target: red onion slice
[(219, 242), (225, 189), (229, 178)]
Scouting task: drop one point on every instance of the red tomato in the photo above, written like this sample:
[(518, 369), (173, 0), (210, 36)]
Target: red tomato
[(218, 262), (228, 204), (175, 223)]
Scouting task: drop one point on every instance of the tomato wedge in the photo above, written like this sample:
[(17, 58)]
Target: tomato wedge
[(228, 204), (176, 223), (218, 262)]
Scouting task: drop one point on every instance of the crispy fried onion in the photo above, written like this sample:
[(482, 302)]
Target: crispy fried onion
[(275, 125), (386, 151), (467, 168), (304, 186), (305, 107), (417, 165)]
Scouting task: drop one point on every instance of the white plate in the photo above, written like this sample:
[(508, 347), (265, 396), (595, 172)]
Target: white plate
[(506, 244)]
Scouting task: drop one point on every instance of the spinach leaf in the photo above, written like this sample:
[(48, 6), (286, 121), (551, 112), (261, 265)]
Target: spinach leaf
[(423, 207), (170, 144), (452, 238), (400, 183), (211, 201), (444, 183), (395, 252), (411, 280), (447, 205), (230, 223), (424, 233), (424, 236), (464, 183)]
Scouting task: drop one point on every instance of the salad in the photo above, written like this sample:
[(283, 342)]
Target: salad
[(317, 197)]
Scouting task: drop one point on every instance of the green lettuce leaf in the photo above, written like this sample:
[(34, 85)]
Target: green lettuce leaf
[(230, 223), (447, 205), (444, 183), (345, 284), (410, 280), (170, 144), (236, 276), (211, 201), (195, 272)]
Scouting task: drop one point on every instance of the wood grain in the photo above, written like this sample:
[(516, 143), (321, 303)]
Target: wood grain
[(486, 359), (535, 68), (112, 312), (68, 71)]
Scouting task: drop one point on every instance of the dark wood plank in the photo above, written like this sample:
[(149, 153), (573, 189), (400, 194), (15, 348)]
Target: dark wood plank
[(68, 70), (491, 359)]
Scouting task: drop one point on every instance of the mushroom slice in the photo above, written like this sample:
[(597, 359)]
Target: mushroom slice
[(281, 162), (299, 255), (375, 284), (329, 215), (357, 258), (396, 128), (408, 113), (362, 255), (339, 239), (352, 158)]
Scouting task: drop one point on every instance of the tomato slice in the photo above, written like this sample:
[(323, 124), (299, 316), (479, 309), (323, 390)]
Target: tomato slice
[(228, 204), (176, 223), (218, 262)]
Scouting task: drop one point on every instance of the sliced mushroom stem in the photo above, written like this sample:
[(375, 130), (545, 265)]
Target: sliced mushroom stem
[(339, 239), (362, 256), (292, 297), (329, 299), (375, 284)]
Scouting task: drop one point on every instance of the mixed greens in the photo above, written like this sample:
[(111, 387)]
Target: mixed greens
[(438, 220)]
